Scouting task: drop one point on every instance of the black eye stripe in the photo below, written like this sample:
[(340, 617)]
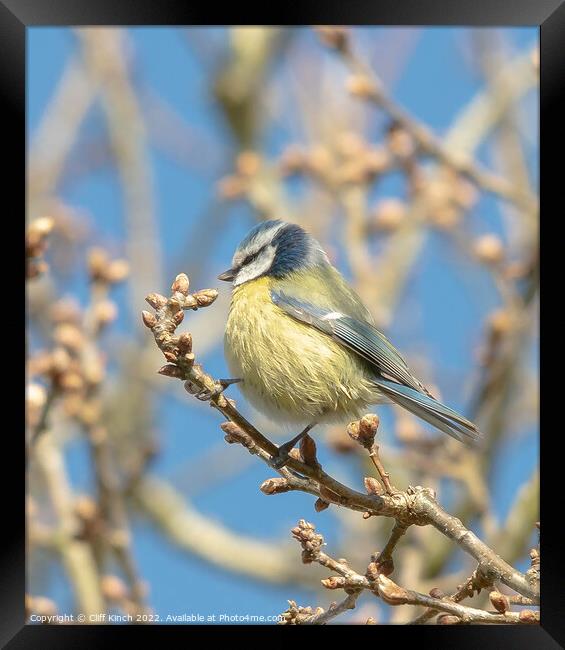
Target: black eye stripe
[(252, 257)]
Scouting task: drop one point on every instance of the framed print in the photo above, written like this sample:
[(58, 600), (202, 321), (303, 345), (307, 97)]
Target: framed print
[(282, 283)]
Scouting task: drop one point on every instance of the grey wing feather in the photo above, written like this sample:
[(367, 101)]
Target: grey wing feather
[(362, 338), (366, 341)]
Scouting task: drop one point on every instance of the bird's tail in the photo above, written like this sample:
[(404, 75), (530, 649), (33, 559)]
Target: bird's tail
[(430, 410)]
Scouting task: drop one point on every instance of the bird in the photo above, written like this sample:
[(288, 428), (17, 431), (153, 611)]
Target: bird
[(305, 348)]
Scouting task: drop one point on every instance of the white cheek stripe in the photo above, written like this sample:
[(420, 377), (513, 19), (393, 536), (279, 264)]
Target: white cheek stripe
[(259, 266)]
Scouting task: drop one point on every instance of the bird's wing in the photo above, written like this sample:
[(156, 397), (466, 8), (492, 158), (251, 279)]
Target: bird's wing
[(366, 341), (361, 337)]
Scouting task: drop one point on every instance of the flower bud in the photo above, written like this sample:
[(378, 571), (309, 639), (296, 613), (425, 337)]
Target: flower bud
[(389, 214), (400, 142), (293, 160), (69, 336), (390, 592), (205, 297), (333, 582), (117, 271), (185, 342), (274, 485), (364, 430), (499, 601), (386, 566), (321, 505), (448, 619), (373, 486), (334, 37), (149, 319), (71, 381), (171, 371), (36, 396), (156, 300), (231, 187), (113, 588), (41, 227), (528, 616), (234, 433), (181, 284), (65, 310), (105, 312), (248, 163), (308, 451), (359, 85), (376, 161), (489, 249), (500, 322), (97, 260)]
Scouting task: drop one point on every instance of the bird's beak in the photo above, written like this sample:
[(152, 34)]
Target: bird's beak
[(227, 276)]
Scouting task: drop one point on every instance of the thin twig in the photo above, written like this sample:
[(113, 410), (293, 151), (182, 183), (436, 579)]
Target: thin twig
[(397, 532), (384, 588), (385, 476)]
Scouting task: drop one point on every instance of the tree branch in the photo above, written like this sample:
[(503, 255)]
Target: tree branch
[(416, 505), (384, 588)]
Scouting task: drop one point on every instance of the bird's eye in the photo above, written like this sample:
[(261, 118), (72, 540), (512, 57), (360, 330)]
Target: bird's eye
[(250, 258)]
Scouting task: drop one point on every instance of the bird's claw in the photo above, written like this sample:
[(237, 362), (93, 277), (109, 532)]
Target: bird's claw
[(204, 395), (281, 458)]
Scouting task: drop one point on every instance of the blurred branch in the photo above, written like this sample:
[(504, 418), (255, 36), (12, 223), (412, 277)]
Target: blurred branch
[(57, 132), (512, 539), (76, 555), (490, 106), (74, 371), (491, 401), (367, 85), (111, 499), (240, 82), (105, 59), (389, 271), (211, 541), (192, 148), (35, 246), (508, 146)]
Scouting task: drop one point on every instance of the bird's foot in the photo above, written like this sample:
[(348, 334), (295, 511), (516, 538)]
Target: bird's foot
[(206, 395), (281, 458)]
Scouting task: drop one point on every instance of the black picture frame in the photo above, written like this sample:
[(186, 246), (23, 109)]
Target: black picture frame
[(17, 15)]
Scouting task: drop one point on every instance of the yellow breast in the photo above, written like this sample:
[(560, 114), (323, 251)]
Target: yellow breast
[(290, 370)]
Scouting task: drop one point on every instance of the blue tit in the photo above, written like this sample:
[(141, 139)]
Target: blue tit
[(305, 346)]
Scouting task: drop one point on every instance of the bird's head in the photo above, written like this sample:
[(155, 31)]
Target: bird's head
[(273, 248)]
